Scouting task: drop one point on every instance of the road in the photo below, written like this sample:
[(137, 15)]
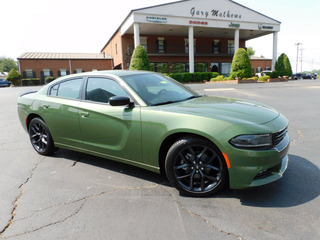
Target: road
[(77, 196)]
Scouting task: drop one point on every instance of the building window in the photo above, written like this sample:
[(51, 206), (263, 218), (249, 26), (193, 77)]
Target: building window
[(215, 67), (267, 68), (78, 70), (180, 67), (143, 42), (63, 72), (160, 67), (201, 67), (46, 72), (29, 73), (230, 46), (116, 46), (186, 45), (161, 45), (259, 69), (225, 68), (216, 47)]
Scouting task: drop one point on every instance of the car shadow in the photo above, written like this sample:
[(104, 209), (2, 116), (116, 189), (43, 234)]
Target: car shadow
[(121, 168), (299, 184)]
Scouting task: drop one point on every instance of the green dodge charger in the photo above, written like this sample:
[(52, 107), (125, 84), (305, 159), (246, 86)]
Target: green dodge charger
[(151, 121)]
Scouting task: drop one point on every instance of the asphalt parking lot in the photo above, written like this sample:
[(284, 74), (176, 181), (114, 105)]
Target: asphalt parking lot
[(77, 196)]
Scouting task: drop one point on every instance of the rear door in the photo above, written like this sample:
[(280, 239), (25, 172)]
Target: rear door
[(61, 113), (109, 130)]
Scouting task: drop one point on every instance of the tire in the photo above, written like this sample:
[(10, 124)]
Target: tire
[(195, 167), (40, 137)]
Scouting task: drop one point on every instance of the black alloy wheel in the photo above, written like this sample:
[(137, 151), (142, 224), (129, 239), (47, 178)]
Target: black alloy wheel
[(40, 137), (195, 167)]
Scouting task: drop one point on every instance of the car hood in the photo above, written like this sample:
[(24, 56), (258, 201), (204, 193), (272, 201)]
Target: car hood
[(232, 110)]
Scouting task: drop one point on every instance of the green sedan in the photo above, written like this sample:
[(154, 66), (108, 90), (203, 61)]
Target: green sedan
[(151, 121)]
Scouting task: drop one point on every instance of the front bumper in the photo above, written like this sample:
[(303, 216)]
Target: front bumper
[(251, 168)]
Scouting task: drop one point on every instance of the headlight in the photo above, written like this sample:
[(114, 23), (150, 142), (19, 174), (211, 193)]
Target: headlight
[(252, 141)]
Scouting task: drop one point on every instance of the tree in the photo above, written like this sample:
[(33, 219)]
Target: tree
[(14, 77), (6, 64), (241, 65), (250, 51), (139, 59), (283, 66)]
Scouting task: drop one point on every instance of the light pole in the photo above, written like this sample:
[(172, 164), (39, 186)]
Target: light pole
[(297, 44)]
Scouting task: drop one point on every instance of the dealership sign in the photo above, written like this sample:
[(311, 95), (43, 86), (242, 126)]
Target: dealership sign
[(214, 13), (198, 22), (157, 19), (234, 25), (260, 26)]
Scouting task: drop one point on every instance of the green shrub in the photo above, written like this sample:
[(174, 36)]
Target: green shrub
[(283, 66), (241, 65), (218, 78), (275, 74), (213, 75), (14, 77), (139, 59), (30, 82), (49, 79), (205, 76), (264, 78), (187, 77)]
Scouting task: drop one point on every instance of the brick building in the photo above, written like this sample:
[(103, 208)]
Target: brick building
[(195, 35), (260, 64), (41, 65)]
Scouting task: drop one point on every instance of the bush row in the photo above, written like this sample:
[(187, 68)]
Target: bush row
[(193, 77), (30, 81), (223, 78)]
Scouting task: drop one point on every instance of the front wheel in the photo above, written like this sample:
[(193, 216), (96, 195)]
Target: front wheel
[(195, 167), (40, 137)]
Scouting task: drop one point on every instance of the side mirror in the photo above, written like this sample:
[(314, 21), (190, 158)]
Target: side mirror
[(119, 101)]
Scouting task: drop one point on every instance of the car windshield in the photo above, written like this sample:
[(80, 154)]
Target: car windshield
[(156, 89)]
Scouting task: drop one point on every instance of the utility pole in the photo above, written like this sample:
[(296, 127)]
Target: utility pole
[(301, 57), (297, 44)]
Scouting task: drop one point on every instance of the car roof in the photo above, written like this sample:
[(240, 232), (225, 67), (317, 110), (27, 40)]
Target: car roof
[(118, 73)]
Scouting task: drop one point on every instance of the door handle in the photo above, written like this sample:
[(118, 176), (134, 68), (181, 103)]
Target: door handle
[(84, 114), (46, 106)]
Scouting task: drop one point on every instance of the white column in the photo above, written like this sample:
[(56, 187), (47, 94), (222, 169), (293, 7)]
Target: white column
[(136, 34), (191, 50), (236, 39), (275, 49)]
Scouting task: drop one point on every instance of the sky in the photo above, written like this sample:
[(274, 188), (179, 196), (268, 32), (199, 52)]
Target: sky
[(74, 26)]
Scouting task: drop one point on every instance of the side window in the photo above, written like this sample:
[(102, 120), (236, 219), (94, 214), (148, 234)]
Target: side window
[(68, 89), (54, 90), (101, 89)]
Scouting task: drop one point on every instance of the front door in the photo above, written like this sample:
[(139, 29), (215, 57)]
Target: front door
[(113, 131)]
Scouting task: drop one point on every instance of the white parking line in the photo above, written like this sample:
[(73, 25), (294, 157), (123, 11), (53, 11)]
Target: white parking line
[(219, 89)]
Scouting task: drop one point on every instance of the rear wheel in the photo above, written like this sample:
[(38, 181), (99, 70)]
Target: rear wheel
[(40, 137), (195, 167)]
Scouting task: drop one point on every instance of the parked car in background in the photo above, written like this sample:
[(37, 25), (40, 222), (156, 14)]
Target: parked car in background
[(152, 121), (314, 75), (263, 73), (305, 76), (4, 83)]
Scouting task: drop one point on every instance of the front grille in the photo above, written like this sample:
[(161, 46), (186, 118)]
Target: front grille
[(279, 136)]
